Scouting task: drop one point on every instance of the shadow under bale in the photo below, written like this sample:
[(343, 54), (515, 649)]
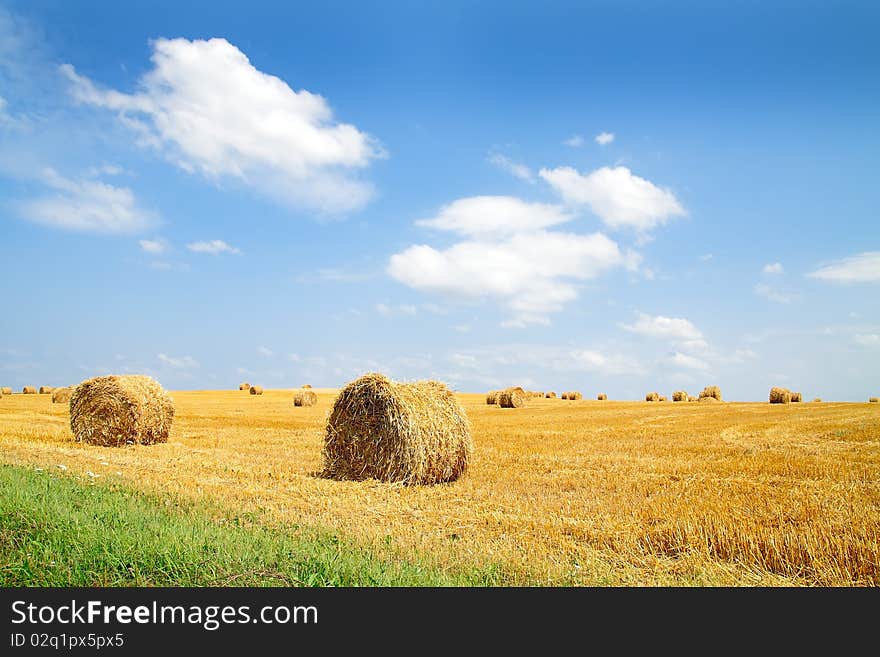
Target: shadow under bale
[(412, 433)]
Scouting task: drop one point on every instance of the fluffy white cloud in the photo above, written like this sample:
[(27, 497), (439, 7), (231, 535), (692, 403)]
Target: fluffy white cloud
[(673, 328), (617, 196), (575, 141), (689, 362), (87, 206), (531, 273), (153, 246), (604, 138), (861, 268), (185, 362), (772, 294), (487, 216), (515, 169), (211, 111), (774, 268), (213, 247)]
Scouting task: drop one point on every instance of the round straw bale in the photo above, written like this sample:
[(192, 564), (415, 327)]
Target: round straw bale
[(874, 400), (244, 386), (29, 390), (817, 400), (512, 398), (256, 390), (6, 390), (45, 390), (572, 395), (796, 397), (711, 391), (679, 396), (305, 397), (550, 395), (306, 385), (602, 396), (710, 400), (780, 395), (492, 396), (662, 398), (120, 410), (691, 398), (652, 396), (414, 433), (62, 395)]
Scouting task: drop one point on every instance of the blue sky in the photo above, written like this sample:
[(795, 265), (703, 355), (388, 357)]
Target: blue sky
[(616, 197)]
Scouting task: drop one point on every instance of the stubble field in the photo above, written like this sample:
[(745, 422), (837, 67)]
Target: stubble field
[(559, 492)]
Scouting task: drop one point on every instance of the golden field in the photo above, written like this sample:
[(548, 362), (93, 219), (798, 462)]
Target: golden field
[(559, 492)]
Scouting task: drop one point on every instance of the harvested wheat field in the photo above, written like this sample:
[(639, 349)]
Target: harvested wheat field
[(618, 493)]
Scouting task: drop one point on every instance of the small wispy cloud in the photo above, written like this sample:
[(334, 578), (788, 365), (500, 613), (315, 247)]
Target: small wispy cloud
[(515, 169), (861, 268), (773, 268), (868, 340), (184, 362), (391, 311), (604, 138), (213, 247), (575, 141), (265, 351), (772, 294), (706, 257), (153, 246)]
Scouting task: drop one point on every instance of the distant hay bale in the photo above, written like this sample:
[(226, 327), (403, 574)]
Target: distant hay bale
[(550, 395), (710, 400), (652, 397), (874, 400), (537, 393), (602, 396), (679, 396), (492, 396), (572, 395), (796, 397), (306, 385), (62, 395), (120, 410), (6, 390), (244, 386), (414, 433), (817, 400), (780, 395), (256, 390), (305, 397), (45, 390), (662, 398), (29, 390), (711, 391), (691, 398), (512, 398)]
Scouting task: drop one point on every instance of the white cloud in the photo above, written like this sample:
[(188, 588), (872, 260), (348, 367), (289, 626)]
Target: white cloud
[(604, 138), (515, 169), (153, 246), (105, 170), (213, 247), (86, 206), (774, 268), (575, 141), (706, 257), (690, 362), (294, 358), (211, 111), (531, 273), (673, 328), (605, 363), (265, 351), (491, 216), (185, 362), (617, 196), (869, 340), (390, 311), (861, 268), (772, 294)]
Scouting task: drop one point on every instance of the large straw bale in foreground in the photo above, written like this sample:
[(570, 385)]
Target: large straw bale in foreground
[(512, 398), (62, 395), (256, 390), (120, 410), (305, 397), (29, 390), (711, 391), (415, 433), (679, 396), (780, 395)]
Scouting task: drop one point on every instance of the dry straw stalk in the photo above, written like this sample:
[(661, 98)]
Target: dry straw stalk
[(414, 433), (120, 410), (305, 397)]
